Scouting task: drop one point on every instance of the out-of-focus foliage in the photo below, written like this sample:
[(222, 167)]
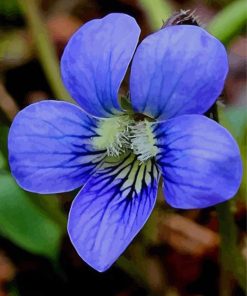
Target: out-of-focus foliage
[(3, 147), (158, 11), (235, 120), (9, 7), (14, 48), (229, 21), (24, 223), (29, 225)]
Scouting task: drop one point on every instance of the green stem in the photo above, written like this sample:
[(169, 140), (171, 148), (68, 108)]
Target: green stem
[(157, 11), (225, 285), (13, 290), (7, 104), (134, 273), (231, 259), (224, 27), (229, 21), (45, 48)]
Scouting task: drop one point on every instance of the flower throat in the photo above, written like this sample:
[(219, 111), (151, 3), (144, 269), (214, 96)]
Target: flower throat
[(121, 134)]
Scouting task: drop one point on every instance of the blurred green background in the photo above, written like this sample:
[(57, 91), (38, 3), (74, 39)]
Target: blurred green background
[(199, 252)]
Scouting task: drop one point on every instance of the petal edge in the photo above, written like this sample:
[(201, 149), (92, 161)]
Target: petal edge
[(50, 147), (95, 61), (111, 209), (200, 162), (177, 70)]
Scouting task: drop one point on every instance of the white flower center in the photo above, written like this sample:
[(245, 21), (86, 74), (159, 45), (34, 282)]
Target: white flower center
[(142, 140), (113, 135), (120, 134)]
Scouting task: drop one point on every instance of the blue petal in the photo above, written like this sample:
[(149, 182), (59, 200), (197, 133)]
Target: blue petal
[(200, 161), (95, 61), (49, 147), (177, 70), (111, 209)]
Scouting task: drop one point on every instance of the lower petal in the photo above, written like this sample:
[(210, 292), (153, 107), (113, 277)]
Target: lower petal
[(200, 161), (50, 147), (111, 209)]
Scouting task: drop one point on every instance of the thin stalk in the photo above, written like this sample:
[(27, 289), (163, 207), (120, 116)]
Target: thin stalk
[(229, 21), (44, 46), (231, 259), (157, 11), (134, 273), (7, 104), (225, 285), (225, 26)]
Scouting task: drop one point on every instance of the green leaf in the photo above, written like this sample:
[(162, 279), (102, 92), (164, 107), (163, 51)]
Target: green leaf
[(25, 224), (126, 104), (2, 161), (235, 120), (50, 205), (9, 7), (231, 257), (3, 146), (157, 11), (229, 21)]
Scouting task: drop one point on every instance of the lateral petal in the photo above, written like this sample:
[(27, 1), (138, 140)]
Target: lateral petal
[(200, 161), (50, 148)]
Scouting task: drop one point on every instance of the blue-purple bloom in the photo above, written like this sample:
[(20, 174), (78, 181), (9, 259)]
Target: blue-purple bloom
[(177, 74)]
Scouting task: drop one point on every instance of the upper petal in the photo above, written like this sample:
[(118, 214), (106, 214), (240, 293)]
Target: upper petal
[(95, 61), (177, 70), (50, 147), (111, 209), (200, 161)]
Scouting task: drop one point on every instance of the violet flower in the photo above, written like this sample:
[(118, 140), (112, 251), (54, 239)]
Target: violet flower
[(177, 74)]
